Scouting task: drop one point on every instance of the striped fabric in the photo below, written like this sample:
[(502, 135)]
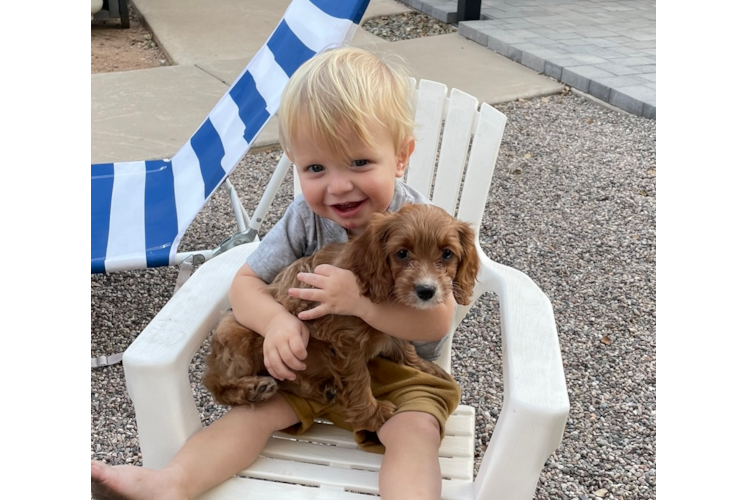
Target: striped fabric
[(140, 210)]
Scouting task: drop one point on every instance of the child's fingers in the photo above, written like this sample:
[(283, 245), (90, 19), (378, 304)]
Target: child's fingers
[(281, 372), (314, 313), (298, 349), (280, 362), (276, 368), (311, 294), (325, 269), (290, 360), (311, 279)]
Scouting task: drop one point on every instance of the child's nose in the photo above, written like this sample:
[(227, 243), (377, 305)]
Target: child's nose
[(339, 183)]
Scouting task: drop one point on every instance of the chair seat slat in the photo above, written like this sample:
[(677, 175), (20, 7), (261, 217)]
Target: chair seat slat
[(459, 467), (452, 446), (333, 448), (241, 488), (313, 474)]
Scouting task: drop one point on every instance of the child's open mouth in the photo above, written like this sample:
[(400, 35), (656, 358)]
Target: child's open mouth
[(347, 209)]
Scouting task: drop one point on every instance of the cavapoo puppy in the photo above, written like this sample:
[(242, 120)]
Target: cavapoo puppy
[(416, 256)]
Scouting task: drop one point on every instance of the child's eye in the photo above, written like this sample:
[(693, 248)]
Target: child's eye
[(360, 163), (316, 168)]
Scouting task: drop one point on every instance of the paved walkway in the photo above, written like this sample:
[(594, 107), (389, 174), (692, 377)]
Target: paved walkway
[(606, 48), (147, 114)]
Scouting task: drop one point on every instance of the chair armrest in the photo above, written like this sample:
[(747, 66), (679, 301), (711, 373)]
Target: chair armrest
[(156, 364), (536, 401)]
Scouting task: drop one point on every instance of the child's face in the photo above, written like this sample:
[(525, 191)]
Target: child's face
[(348, 193)]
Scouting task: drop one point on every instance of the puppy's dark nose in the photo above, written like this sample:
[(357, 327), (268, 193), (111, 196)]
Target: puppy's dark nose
[(425, 292)]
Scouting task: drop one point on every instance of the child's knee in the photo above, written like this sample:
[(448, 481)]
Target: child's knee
[(409, 425)]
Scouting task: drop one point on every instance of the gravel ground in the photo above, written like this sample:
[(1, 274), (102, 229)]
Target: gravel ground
[(572, 204), (406, 26)]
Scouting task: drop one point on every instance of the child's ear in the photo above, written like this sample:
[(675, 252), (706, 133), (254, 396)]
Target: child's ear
[(403, 155)]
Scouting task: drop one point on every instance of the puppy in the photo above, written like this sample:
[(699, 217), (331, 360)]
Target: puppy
[(417, 257)]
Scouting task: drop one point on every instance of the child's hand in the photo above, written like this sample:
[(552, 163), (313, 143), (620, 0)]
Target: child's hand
[(335, 289), (284, 347)]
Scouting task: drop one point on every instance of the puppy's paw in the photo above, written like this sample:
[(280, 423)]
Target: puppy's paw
[(386, 409), (261, 389), (246, 390)]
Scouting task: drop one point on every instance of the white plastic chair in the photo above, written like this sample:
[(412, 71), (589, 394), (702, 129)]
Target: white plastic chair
[(324, 462)]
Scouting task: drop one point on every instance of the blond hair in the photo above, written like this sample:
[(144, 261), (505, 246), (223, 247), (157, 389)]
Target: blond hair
[(344, 91)]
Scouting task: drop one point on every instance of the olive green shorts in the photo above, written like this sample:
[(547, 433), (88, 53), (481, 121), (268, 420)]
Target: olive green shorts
[(407, 388)]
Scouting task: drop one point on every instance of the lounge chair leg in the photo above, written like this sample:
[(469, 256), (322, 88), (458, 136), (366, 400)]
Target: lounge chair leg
[(186, 267)]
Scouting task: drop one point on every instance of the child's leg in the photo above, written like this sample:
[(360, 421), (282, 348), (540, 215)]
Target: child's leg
[(410, 468), (211, 456)]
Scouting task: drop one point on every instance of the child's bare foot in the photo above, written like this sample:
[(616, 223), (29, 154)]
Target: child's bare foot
[(127, 482)]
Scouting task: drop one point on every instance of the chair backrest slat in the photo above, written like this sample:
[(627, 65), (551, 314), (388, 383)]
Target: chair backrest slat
[(429, 112), (458, 130), (483, 155)]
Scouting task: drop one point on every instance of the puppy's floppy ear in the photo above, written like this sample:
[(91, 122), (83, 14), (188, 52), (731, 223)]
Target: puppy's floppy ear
[(467, 269), (368, 259)]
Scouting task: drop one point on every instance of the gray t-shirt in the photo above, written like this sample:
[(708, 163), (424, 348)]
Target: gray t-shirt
[(301, 232)]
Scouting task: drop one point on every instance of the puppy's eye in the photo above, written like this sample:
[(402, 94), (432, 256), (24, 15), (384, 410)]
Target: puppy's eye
[(447, 254), (402, 254)]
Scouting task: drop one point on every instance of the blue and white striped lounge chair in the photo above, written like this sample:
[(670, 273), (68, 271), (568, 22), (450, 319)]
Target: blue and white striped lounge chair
[(141, 209)]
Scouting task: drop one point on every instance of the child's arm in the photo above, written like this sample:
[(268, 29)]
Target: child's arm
[(286, 336), (337, 292)]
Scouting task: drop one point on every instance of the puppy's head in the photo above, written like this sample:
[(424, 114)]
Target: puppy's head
[(416, 256)]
